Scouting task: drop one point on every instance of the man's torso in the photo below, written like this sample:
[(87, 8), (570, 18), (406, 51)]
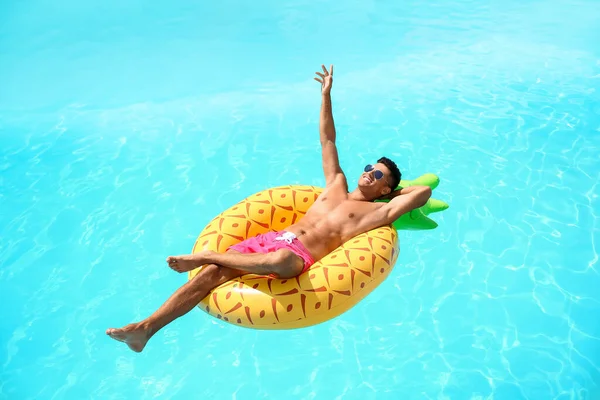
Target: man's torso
[(333, 219)]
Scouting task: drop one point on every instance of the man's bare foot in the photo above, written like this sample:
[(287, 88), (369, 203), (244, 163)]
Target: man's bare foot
[(134, 335), (187, 262)]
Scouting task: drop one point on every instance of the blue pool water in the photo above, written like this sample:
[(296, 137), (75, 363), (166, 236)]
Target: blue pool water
[(126, 126)]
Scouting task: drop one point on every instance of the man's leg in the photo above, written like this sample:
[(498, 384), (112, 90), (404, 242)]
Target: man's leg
[(282, 263), (181, 302)]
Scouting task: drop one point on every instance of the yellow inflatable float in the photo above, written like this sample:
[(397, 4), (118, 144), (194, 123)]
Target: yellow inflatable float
[(330, 287)]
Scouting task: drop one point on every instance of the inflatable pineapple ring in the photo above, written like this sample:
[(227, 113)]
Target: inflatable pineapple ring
[(328, 288)]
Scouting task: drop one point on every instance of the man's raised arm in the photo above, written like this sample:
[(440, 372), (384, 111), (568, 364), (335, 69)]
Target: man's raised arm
[(331, 163)]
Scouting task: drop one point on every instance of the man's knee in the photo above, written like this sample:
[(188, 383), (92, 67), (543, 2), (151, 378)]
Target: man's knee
[(213, 275), (285, 264), (279, 258)]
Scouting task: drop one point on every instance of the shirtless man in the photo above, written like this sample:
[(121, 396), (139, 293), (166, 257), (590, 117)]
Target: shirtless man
[(334, 218)]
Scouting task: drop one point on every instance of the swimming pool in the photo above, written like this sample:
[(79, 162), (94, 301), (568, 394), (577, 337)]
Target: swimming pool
[(126, 126)]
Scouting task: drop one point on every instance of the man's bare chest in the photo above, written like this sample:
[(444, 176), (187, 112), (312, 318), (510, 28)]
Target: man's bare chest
[(340, 209)]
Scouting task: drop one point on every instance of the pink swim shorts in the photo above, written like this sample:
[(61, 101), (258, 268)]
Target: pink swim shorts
[(273, 241)]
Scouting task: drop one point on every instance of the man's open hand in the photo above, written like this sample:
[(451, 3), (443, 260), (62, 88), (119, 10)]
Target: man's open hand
[(325, 79)]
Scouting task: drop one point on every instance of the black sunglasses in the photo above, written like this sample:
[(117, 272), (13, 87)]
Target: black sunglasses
[(378, 174)]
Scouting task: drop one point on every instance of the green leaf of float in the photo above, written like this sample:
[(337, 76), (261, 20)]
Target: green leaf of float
[(429, 179), (417, 219)]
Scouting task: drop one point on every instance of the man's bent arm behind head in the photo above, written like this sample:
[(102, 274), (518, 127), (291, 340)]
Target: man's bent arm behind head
[(411, 198)]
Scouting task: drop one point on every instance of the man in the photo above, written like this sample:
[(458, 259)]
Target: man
[(335, 217)]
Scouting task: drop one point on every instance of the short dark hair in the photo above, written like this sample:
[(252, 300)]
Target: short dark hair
[(396, 174)]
